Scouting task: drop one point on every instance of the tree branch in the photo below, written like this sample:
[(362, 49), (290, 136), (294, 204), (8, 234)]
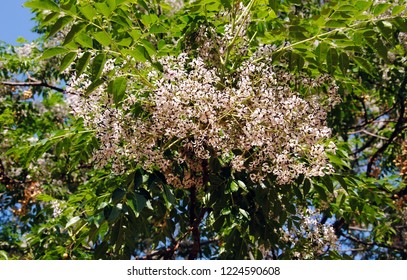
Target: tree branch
[(368, 133), (375, 118), (398, 128), (371, 244), (33, 84), (196, 236)]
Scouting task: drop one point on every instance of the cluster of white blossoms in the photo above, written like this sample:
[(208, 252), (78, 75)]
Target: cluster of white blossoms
[(253, 121), (311, 238), (175, 5), (25, 50), (403, 39), (56, 209)]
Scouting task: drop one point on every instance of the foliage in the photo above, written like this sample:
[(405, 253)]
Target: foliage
[(205, 129)]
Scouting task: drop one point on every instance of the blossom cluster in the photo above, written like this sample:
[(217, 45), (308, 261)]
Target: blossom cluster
[(311, 238), (253, 121), (25, 50)]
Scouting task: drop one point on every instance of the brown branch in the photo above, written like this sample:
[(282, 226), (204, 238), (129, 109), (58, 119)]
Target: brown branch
[(194, 221), (33, 84), (368, 133), (169, 252), (369, 141), (196, 235), (372, 244), (398, 128), (375, 118)]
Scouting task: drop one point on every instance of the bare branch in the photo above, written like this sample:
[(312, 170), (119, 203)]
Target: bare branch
[(371, 244), (32, 84), (375, 118), (368, 133)]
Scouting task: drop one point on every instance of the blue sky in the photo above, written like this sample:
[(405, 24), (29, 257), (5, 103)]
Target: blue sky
[(15, 21)]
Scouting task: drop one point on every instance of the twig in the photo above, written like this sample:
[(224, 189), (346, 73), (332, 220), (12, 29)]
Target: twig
[(368, 133), (375, 118)]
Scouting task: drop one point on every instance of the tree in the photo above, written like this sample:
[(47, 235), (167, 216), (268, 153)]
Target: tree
[(206, 129)]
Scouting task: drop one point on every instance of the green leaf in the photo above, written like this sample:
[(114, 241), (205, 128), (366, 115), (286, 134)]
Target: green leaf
[(3, 255), (103, 8), (82, 63), (346, 7), (306, 187), (103, 38), (344, 62), (321, 191), (75, 29), (115, 213), (328, 183), (138, 175), (321, 52), (169, 195), (149, 19), (117, 88), (125, 42), (151, 50), (139, 53), (291, 208), (88, 11), (381, 49), (118, 195), (98, 65), (157, 28), (386, 29), (84, 40), (44, 197), (72, 221), (67, 60), (363, 5), (49, 17), (112, 4), (381, 8), (42, 5), (397, 10), (342, 182), (353, 203), (242, 185), (332, 60), (138, 202), (233, 186), (95, 84), (59, 24), (53, 52), (364, 64), (401, 23), (135, 34), (335, 24), (244, 213)]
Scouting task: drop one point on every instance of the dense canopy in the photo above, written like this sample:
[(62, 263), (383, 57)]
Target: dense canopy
[(207, 129)]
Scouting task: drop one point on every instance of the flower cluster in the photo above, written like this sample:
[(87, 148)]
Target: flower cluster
[(253, 121), (56, 209), (175, 5), (25, 50), (403, 39), (311, 238)]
